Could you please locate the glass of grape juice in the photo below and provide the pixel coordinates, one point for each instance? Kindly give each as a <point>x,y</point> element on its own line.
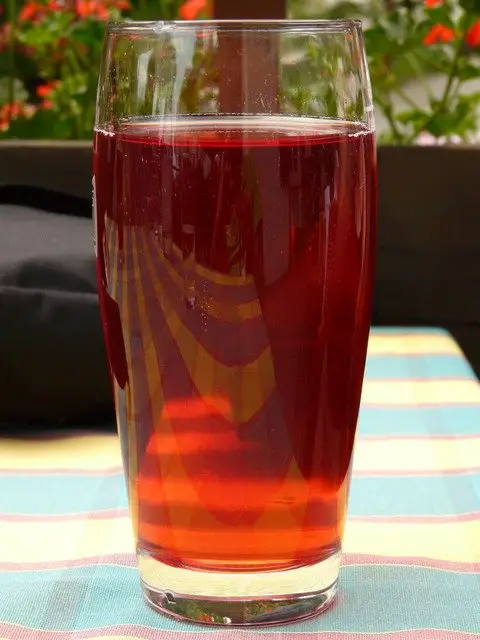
<point>235,197</point>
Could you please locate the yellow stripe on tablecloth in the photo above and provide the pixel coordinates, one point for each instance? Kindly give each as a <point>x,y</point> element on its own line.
<point>397,455</point>
<point>449,541</point>
<point>420,392</point>
<point>43,542</point>
<point>413,344</point>
<point>30,542</point>
<point>89,452</point>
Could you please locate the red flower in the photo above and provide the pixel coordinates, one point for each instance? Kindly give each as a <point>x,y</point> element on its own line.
<point>56,5</point>
<point>473,35</point>
<point>191,9</point>
<point>439,34</point>
<point>91,8</point>
<point>45,92</point>
<point>100,8</point>
<point>432,4</point>
<point>9,112</point>
<point>204,617</point>
<point>35,10</point>
<point>32,11</point>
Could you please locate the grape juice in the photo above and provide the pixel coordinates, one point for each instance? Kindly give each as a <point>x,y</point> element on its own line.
<point>235,264</point>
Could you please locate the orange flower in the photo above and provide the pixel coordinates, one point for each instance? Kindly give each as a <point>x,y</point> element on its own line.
<point>191,9</point>
<point>473,35</point>
<point>439,34</point>
<point>432,4</point>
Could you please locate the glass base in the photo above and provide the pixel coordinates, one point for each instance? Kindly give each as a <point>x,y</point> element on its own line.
<point>239,599</point>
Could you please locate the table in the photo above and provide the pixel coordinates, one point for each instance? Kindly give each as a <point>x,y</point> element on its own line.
<point>411,568</point>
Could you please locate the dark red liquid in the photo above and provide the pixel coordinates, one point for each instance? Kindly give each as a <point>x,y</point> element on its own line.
<point>235,262</point>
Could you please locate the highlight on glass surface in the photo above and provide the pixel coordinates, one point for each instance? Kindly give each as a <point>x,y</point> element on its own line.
<point>235,224</point>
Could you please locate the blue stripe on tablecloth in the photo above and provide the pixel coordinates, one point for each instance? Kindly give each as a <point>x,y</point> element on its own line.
<point>414,496</point>
<point>379,495</point>
<point>417,367</point>
<point>408,331</point>
<point>383,421</point>
<point>372,599</point>
<point>53,494</point>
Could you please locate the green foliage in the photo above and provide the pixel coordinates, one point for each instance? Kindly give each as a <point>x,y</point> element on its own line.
<point>155,9</point>
<point>411,40</point>
<point>321,81</point>
<point>18,88</point>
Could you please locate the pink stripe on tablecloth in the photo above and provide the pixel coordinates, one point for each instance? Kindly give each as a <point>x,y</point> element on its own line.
<point>119,559</point>
<point>109,471</point>
<point>357,472</point>
<point>348,560</point>
<point>107,514</point>
<point>17,632</point>
<point>356,559</point>
<point>418,405</point>
<point>470,516</point>
<point>103,514</point>
<point>393,473</point>
<point>419,436</point>
<point>464,377</point>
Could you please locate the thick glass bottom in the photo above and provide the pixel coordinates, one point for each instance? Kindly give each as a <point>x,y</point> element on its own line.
<point>242,599</point>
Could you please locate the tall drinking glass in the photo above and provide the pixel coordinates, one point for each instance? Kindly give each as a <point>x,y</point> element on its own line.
<point>235,223</point>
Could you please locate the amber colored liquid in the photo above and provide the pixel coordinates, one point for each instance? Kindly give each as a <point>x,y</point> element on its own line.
<point>235,262</point>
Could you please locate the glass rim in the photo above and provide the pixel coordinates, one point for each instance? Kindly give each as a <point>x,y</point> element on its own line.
<point>293,26</point>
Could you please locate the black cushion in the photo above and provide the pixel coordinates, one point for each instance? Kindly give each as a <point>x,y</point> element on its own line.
<point>52,357</point>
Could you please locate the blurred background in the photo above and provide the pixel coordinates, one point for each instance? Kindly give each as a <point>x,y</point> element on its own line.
<point>424,58</point>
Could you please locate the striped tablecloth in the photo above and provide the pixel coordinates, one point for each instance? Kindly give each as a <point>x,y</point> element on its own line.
<point>412,547</point>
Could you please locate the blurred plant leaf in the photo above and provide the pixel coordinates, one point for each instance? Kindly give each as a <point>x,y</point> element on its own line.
<point>43,125</point>
<point>20,92</point>
<point>470,6</point>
